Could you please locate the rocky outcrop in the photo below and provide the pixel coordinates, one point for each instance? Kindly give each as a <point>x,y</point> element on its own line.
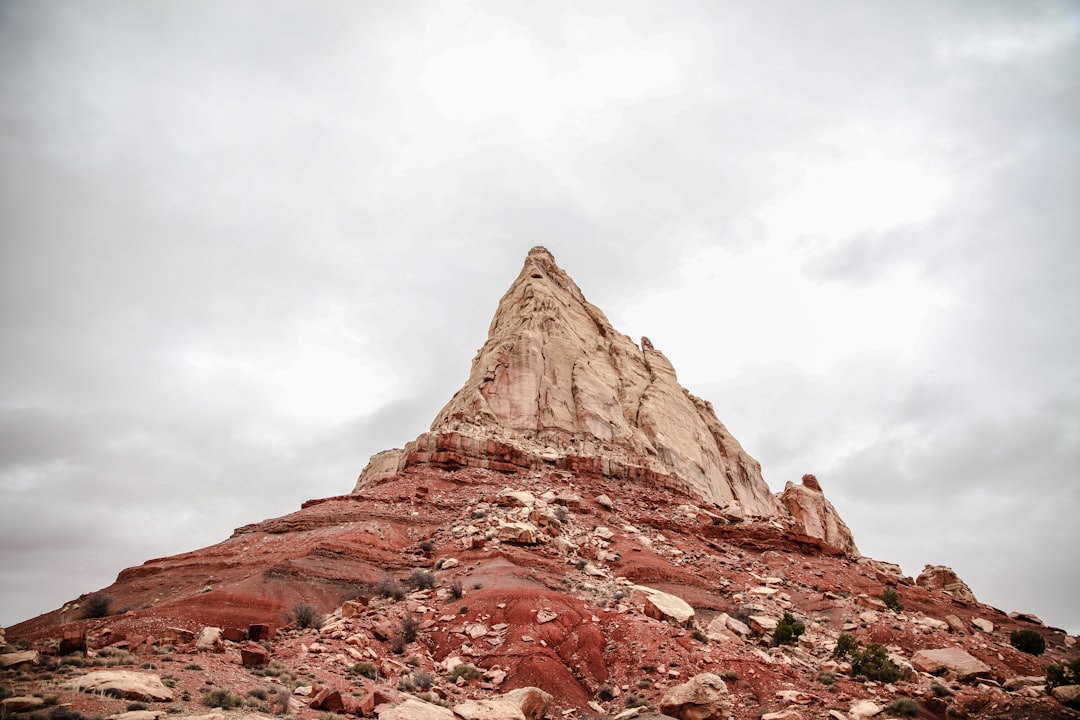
<point>703,697</point>
<point>961,664</point>
<point>556,384</point>
<point>940,577</point>
<point>124,684</point>
<point>816,516</point>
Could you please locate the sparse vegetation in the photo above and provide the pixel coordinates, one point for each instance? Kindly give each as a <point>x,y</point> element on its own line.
<point>456,590</point>
<point>221,698</point>
<point>605,692</point>
<point>844,645</point>
<point>466,670</point>
<point>940,691</point>
<point>366,669</point>
<point>423,680</point>
<point>873,663</point>
<point>826,678</point>
<point>1028,641</point>
<point>426,546</point>
<point>97,606</point>
<point>700,636</point>
<point>787,631</point>
<point>1058,675</point>
<point>633,700</point>
<point>132,707</point>
<point>410,626</point>
<point>306,616</point>
<point>905,707</point>
<point>891,598</point>
<point>193,666</point>
<point>390,588</point>
<point>420,580</point>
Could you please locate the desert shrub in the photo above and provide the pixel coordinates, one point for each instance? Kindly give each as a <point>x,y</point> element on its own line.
<point>390,588</point>
<point>698,635</point>
<point>456,590</point>
<point>397,644</point>
<point>891,598</point>
<point>97,606</point>
<point>466,670</point>
<point>306,616</point>
<point>873,663</point>
<point>280,702</point>
<point>940,691</point>
<point>580,564</point>
<point>352,592</point>
<point>1028,641</point>
<point>826,678</point>
<point>787,631</point>
<point>420,580</point>
<point>410,626</point>
<point>633,701</point>
<point>366,669</point>
<point>221,698</point>
<point>426,546</point>
<point>193,666</point>
<point>132,707</point>
<point>605,692</point>
<point>1058,675</point>
<point>423,680</point>
<point>644,684</point>
<point>258,693</point>
<point>844,645</point>
<point>905,707</point>
<point>729,676</point>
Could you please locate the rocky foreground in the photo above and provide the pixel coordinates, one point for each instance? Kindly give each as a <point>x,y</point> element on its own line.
<point>575,536</point>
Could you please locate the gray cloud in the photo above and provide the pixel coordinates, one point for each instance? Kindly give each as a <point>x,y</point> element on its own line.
<point>243,248</point>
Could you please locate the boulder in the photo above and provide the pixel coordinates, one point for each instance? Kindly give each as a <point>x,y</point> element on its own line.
<point>413,709</point>
<point>531,701</point>
<point>254,655</point>
<point>1067,695</point>
<point>21,703</point>
<point>663,606</point>
<point>786,714</point>
<point>953,660</point>
<point>940,577</point>
<point>209,638</point>
<point>15,659</point>
<point>492,709</point>
<point>703,697</point>
<point>956,624</point>
<point>74,641</point>
<point>762,624</point>
<point>327,699</point>
<point>519,532</point>
<point>985,625</point>
<point>124,684</point>
<point>863,709</point>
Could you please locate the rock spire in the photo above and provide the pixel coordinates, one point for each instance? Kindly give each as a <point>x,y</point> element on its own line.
<point>555,384</point>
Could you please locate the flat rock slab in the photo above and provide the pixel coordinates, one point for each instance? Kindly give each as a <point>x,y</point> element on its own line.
<point>413,709</point>
<point>663,606</point>
<point>124,684</point>
<point>959,662</point>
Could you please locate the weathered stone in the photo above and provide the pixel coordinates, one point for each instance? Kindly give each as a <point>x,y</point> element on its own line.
<point>232,634</point>
<point>21,703</point>
<point>1067,695</point>
<point>531,701</point>
<point>492,709</point>
<point>956,624</point>
<point>1026,617</point>
<point>15,659</point>
<point>703,697</point>
<point>985,625</point>
<point>816,516</point>
<point>178,636</point>
<point>940,577</point>
<point>605,501</point>
<point>663,606</point>
<point>327,699</point>
<point>786,714</point>
<point>519,532</point>
<point>762,624</point>
<point>74,641</point>
<point>124,684</point>
<point>254,655</point>
<point>413,709</point>
<point>954,660</point>
<point>260,631</point>
<point>863,709</point>
<point>209,638</point>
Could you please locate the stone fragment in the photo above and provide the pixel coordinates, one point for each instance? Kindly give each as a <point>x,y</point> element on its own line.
<point>491,709</point>
<point>232,634</point>
<point>982,624</point>
<point>663,606</point>
<point>954,660</point>
<point>941,577</point>
<point>145,715</point>
<point>124,684</point>
<point>327,699</point>
<point>1067,695</point>
<point>1026,617</point>
<point>785,714</point>
<point>517,498</point>
<point>519,532</point>
<point>703,697</point>
<point>762,624</point>
<point>74,641</point>
<point>254,655</point>
<point>532,701</point>
<point>956,624</point>
<point>260,631</point>
<point>863,709</point>
<point>545,616</point>
<point>605,501</point>
<point>413,709</point>
<point>795,697</point>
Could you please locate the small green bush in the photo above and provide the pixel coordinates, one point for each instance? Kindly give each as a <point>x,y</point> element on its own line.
<point>456,590</point>
<point>1028,641</point>
<point>826,678</point>
<point>420,580</point>
<point>134,706</point>
<point>787,631</point>
<point>366,669</point>
<point>97,606</point>
<point>698,635</point>
<point>1058,675</point>
<point>466,670</point>
<point>633,700</point>
<point>905,707</point>
<point>873,663</point>
<point>940,691</point>
<point>605,692</point>
<point>390,588</point>
<point>221,698</point>
<point>891,598</point>
<point>410,626</point>
<point>844,645</point>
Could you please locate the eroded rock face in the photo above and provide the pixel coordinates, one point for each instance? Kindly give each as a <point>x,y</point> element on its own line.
<point>940,577</point>
<point>555,384</point>
<point>816,516</point>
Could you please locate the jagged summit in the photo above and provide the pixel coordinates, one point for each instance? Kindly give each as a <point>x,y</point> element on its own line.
<point>556,385</point>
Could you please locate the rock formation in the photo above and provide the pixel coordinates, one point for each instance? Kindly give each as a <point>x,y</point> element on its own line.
<point>555,385</point>
<point>815,515</point>
<point>940,577</point>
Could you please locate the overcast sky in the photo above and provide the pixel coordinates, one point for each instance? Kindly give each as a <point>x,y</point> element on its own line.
<point>243,246</point>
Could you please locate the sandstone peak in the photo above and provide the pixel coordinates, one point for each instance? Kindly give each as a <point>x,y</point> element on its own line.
<point>556,385</point>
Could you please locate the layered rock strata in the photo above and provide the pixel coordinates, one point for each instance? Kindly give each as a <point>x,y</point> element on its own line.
<point>815,515</point>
